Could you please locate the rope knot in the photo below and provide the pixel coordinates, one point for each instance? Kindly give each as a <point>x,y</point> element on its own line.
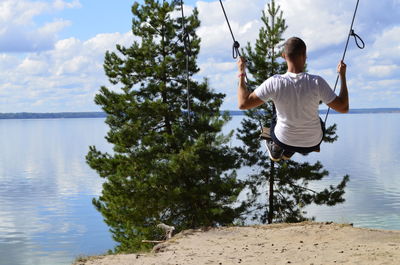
<point>235,49</point>
<point>356,39</point>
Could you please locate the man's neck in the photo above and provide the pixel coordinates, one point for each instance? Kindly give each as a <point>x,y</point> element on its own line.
<point>295,69</point>
<point>296,66</point>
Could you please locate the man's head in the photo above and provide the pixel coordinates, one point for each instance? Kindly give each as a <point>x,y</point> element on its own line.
<point>294,49</point>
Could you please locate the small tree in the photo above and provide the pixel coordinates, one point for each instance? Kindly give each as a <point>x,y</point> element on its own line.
<point>164,167</point>
<point>286,183</point>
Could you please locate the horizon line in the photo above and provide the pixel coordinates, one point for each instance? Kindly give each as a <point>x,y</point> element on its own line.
<point>74,112</point>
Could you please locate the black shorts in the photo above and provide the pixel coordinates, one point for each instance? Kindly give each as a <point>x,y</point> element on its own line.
<point>298,149</point>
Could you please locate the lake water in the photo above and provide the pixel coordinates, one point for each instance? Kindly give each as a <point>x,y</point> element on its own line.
<point>46,188</point>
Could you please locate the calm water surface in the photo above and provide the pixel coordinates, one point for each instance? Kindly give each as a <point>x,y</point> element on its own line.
<point>46,188</point>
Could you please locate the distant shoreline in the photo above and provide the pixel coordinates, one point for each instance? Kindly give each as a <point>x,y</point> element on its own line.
<point>99,114</point>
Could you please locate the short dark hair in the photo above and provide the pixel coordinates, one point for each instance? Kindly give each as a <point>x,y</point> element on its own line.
<point>294,47</point>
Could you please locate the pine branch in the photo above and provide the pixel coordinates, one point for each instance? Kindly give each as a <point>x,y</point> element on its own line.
<point>300,187</point>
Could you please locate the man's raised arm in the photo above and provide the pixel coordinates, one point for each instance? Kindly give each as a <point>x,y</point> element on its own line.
<point>341,102</point>
<point>246,99</point>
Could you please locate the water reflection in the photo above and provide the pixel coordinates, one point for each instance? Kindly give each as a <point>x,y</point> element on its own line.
<point>46,216</point>
<point>368,150</point>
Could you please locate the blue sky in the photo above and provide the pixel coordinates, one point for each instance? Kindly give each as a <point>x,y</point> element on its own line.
<point>51,51</point>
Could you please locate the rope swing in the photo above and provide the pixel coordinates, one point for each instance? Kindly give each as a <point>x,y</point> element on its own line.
<point>236,44</point>
<point>359,42</point>
<point>236,54</point>
<point>359,45</point>
<point>186,43</point>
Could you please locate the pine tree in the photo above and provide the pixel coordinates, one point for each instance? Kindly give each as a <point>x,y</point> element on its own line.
<point>164,166</point>
<point>286,183</point>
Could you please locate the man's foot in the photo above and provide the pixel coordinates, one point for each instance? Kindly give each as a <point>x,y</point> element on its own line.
<point>275,151</point>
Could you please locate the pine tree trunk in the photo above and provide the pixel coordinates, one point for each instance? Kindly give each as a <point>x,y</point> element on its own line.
<point>271,193</point>
<point>272,172</point>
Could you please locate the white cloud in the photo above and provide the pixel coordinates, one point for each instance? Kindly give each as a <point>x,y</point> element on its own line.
<point>60,4</point>
<point>187,10</point>
<point>63,79</point>
<point>318,23</point>
<point>390,85</point>
<point>20,33</point>
<point>387,44</point>
<point>75,65</point>
<point>50,29</point>
<point>67,47</point>
<point>383,70</point>
<point>378,66</point>
<point>7,62</point>
<point>31,66</point>
<point>324,26</point>
<point>315,22</point>
<point>106,40</point>
<point>244,20</point>
<point>215,59</point>
<point>211,66</point>
<point>20,12</point>
<point>67,73</point>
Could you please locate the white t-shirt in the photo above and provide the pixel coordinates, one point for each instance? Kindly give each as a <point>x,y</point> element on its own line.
<point>296,98</point>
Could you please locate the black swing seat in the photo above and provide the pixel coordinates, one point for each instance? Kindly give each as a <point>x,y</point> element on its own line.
<point>266,135</point>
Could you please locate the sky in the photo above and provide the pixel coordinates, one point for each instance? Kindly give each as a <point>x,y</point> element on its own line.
<point>52,51</point>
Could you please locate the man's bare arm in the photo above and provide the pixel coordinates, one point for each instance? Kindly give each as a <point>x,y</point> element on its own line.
<point>341,102</point>
<point>246,99</point>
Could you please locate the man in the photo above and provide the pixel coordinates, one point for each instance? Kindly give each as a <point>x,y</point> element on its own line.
<point>296,96</point>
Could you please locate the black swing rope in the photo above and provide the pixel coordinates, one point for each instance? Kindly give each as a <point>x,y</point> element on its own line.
<point>360,46</point>
<point>236,44</point>
<point>236,53</point>
<point>186,43</point>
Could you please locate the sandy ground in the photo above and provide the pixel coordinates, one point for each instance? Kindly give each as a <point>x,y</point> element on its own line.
<point>304,243</point>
